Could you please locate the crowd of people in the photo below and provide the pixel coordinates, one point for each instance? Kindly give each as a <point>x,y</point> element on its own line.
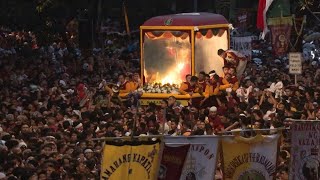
<point>55,99</point>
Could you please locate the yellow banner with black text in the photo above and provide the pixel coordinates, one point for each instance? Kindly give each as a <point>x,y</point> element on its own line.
<point>130,161</point>
<point>254,158</point>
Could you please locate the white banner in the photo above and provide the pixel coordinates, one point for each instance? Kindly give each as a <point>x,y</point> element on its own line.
<point>305,145</point>
<point>202,156</point>
<point>243,45</point>
<point>250,158</point>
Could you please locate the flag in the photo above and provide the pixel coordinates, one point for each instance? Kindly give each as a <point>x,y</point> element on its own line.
<point>173,158</point>
<point>262,16</point>
<point>305,144</point>
<point>250,158</point>
<point>202,156</point>
<point>130,161</point>
<point>280,34</point>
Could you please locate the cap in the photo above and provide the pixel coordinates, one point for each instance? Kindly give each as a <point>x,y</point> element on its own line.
<point>213,109</point>
<point>22,143</point>
<point>88,151</point>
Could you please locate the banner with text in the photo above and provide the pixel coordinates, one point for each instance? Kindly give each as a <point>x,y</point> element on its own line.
<point>305,154</point>
<point>173,158</point>
<point>201,160</point>
<point>295,63</point>
<point>242,45</point>
<point>130,160</point>
<point>250,158</point>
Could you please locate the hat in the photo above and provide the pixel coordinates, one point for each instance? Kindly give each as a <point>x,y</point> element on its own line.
<point>213,109</point>
<point>78,125</point>
<point>22,143</point>
<point>63,83</point>
<point>212,73</point>
<point>88,151</point>
<point>277,61</point>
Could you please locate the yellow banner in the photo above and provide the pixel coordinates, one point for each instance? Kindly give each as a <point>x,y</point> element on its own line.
<point>130,162</point>
<point>254,158</point>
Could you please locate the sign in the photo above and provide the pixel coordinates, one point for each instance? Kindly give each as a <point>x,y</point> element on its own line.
<point>305,154</point>
<point>202,156</point>
<point>254,158</point>
<point>130,161</point>
<point>295,65</point>
<point>242,45</point>
<point>146,102</point>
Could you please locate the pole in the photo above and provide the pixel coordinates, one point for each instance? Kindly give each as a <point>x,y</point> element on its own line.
<point>126,138</point>
<point>126,17</point>
<point>195,5</point>
<point>295,80</point>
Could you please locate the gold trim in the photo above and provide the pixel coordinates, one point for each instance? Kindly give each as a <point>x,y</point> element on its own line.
<point>141,57</point>
<point>213,26</point>
<point>228,38</point>
<point>192,51</point>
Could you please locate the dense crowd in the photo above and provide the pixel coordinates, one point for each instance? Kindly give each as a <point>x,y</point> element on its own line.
<point>55,99</point>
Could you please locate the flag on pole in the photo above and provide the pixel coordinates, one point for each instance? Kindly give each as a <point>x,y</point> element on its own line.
<point>262,16</point>
<point>130,160</point>
<point>280,34</point>
<point>202,156</point>
<point>126,17</point>
<point>173,158</point>
<point>250,158</point>
<point>305,154</point>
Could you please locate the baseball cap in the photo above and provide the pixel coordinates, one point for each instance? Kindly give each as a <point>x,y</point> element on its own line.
<point>88,151</point>
<point>213,109</point>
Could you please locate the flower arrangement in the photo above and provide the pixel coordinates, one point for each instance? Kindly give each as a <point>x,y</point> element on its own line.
<point>159,88</point>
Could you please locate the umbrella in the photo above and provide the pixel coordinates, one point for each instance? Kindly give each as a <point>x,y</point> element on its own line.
<point>312,37</point>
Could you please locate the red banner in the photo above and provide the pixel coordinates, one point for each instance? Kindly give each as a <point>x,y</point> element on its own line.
<point>280,33</point>
<point>172,162</point>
